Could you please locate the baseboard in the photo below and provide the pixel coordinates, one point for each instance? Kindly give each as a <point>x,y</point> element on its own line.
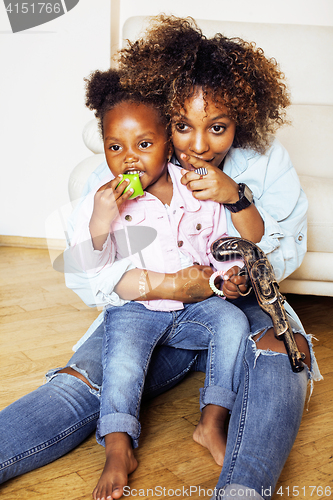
<point>27,242</point>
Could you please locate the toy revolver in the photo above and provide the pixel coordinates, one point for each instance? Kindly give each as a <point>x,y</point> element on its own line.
<point>265,287</point>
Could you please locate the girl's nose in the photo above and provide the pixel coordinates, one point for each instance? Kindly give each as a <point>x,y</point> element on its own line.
<point>131,157</point>
<point>198,144</point>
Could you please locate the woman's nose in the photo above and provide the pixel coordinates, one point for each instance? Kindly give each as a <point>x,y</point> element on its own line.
<point>198,144</point>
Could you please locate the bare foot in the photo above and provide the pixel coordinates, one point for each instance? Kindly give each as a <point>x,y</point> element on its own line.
<point>210,431</point>
<point>120,462</point>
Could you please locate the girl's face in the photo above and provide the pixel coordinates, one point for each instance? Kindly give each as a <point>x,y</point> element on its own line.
<point>135,141</point>
<point>202,130</point>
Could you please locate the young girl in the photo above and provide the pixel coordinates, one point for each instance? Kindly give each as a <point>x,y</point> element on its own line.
<point>136,140</point>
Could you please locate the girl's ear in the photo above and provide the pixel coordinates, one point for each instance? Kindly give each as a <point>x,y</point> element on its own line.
<point>170,152</point>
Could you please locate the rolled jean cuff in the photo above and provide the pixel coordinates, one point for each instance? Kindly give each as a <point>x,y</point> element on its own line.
<point>236,492</point>
<point>215,395</point>
<point>118,422</point>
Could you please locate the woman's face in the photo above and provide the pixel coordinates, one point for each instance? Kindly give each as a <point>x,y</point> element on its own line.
<point>202,130</point>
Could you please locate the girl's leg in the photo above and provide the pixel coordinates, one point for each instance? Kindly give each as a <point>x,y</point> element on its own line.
<point>131,333</point>
<point>224,328</point>
<point>55,418</point>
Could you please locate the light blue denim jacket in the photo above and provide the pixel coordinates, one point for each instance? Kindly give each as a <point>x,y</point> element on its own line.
<point>277,195</point>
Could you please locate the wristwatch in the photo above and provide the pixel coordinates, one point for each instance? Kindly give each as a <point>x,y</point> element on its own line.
<point>245,199</point>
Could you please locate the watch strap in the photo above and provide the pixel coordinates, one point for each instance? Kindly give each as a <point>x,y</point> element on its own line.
<point>245,199</point>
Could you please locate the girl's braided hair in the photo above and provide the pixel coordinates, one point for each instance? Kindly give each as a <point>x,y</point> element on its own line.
<point>173,57</point>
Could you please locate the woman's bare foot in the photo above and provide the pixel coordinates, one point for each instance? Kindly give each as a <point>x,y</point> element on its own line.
<point>210,431</point>
<point>120,462</point>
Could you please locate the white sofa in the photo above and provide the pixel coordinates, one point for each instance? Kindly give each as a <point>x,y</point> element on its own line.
<point>305,56</point>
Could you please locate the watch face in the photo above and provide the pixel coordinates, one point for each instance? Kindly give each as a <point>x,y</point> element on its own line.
<point>248,193</point>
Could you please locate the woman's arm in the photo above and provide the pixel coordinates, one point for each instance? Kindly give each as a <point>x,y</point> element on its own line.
<point>279,200</point>
<point>219,187</point>
<point>187,285</point>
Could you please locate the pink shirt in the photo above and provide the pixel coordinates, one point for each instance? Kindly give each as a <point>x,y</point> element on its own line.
<point>151,237</point>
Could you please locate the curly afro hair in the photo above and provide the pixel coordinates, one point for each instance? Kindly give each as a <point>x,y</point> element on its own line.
<point>174,57</point>
<point>104,91</point>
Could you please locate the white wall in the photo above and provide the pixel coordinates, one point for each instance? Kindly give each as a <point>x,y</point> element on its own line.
<point>42,92</point>
<point>43,112</point>
<point>309,12</point>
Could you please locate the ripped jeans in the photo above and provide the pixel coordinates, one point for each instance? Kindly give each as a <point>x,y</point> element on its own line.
<point>55,418</point>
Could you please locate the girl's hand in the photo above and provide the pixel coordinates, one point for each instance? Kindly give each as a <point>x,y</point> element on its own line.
<point>107,201</point>
<point>230,280</point>
<point>215,186</point>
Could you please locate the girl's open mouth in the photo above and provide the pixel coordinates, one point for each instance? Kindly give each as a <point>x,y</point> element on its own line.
<point>132,172</point>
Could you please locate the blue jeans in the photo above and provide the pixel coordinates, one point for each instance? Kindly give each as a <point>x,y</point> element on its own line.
<point>133,331</point>
<point>55,418</point>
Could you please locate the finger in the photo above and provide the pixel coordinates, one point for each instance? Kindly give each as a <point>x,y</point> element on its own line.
<point>119,184</point>
<point>193,162</point>
<point>233,271</point>
<point>238,280</point>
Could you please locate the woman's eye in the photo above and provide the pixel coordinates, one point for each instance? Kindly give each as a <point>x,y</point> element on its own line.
<point>115,147</point>
<point>181,127</point>
<point>218,128</point>
<point>145,144</point>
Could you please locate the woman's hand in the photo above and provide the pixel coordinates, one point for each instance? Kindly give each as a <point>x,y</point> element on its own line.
<point>215,186</point>
<point>107,201</point>
<point>231,282</point>
<point>218,186</point>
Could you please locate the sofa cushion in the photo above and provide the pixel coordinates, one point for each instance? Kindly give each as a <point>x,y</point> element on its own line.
<point>319,191</point>
<point>92,137</point>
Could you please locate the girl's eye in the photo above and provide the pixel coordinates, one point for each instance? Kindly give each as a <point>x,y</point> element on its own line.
<point>217,129</point>
<point>115,147</point>
<point>145,144</point>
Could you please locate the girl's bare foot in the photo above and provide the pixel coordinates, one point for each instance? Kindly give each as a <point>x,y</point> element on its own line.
<point>120,462</point>
<point>210,431</point>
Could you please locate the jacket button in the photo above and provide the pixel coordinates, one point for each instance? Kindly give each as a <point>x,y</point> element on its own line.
<point>180,243</point>
<point>198,227</point>
<point>128,217</point>
<point>300,237</point>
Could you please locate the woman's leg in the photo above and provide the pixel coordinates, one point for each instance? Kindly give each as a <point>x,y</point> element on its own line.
<point>264,423</point>
<point>55,418</point>
<point>266,415</point>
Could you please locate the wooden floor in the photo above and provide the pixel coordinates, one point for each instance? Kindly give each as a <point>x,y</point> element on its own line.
<point>41,320</point>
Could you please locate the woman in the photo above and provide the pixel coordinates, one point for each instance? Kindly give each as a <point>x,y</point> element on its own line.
<point>199,78</point>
